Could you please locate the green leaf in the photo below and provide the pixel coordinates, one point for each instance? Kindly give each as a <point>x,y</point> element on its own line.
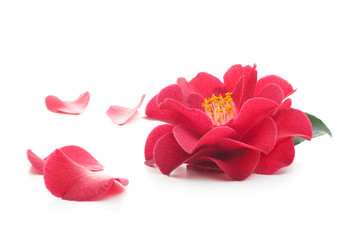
<point>319,128</point>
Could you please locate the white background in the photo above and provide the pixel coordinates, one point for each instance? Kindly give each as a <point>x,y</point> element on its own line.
<point>119,50</point>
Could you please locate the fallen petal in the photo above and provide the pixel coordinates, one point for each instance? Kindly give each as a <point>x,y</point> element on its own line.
<point>54,104</point>
<point>75,153</point>
<point>66,179</point>
<point>120,115</point>
<point>35,161</point>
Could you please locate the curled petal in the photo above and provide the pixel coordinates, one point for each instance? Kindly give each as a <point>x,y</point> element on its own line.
<point>75,153</point>
<point>120,115</point>
<point>249,85</point>
<point>285,85</point>
<point>172,91</point>
<point>273,92</point>
<point>205,83</point>
<point>238,164</point>
<point>281,156</point>
<point>66,179</point>
<point>232,76</point>
<point>262,136</point>
<point>252,112</point>
<point>35,161</point>
<point>153,137</point>
<point>168,155</point>
<point>292,122</point>
<point>54,104</point>
<point>190,141</point>
<point>286,104</point>
<point>193,118</point>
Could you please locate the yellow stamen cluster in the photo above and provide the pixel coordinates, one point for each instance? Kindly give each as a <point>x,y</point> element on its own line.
<point>220,109</point>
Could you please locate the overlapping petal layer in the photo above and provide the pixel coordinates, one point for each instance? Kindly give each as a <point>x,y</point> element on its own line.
<point>251,129</point>
<point>75,153</point>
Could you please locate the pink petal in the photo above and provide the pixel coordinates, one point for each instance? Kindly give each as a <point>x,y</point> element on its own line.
<point>195,119</point>
<point>76,107</point>
<point>120,115</point>
<point>35,161</point>
<point>153,137</point>
<point>205,83</point>
<point>168,154</point>
<point>252,112</point>
<point>273,92</point>
<point>191,141</point>
<point>282,156</point>
<point>75,153</point>
<point>292,122</point>
<point>68,180</point>
<point>82,157</point>
<point>238,164</point>
<point>285,85</point>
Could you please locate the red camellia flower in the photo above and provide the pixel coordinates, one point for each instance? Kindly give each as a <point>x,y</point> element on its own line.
<point>239,126</point>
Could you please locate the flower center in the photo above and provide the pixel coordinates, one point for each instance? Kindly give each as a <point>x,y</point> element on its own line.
<point>220,109</point>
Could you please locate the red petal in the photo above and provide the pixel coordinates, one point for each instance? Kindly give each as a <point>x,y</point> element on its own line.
<point>286,104</point>
<point>262,136</point>
<point>68,180</point>
<point>285,85</point>
<point>282,156</point>
<point>191,141</point>
<point>172,91</point>
<point>195,119</point>
<point>252,112</point>
<point>168,154</point>
<point>249,85</point>
<point>78,106</point>
<point>75,153</point>
<point>293,122</point>
<point>232,76</point>
<point>120,115</point>
<point>153,137</point>
<point>35,161</point>
<point>273,92</point>
<point>238,164</point>
<point>205,83</point>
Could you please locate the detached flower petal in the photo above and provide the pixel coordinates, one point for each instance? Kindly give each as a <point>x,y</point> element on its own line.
<point>120,115</point>
<point>75,153</point>
<point>54,104</point>
<point>66,179</point>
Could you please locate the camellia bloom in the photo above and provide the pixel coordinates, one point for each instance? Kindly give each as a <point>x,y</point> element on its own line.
<point>69,174</point>
<point>54,104</point>
<point>239,126</point>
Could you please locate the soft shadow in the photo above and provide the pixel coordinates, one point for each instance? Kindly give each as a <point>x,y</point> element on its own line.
<point>115,190</point>
<point>34,171</point>
<point>282,171</point>
<point>189,173</point>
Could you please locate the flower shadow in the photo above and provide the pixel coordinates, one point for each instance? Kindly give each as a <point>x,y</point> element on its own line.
<point>189,173</point>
